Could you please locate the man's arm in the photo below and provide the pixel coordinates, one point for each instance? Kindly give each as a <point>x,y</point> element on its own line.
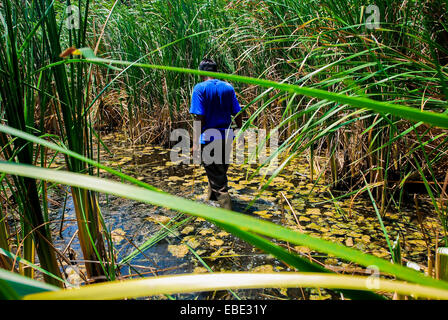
<point>197,110</point>
<point>239,120</point>
<point>236,110</point>
<point>197,132</point>
<point>199,118</point>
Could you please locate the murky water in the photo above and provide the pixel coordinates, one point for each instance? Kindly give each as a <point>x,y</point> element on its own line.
<point>291,200</point>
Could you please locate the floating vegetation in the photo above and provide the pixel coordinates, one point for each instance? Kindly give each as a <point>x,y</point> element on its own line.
<point>224,252</point>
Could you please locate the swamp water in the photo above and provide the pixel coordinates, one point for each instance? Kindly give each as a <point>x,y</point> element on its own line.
<point>180,244</point>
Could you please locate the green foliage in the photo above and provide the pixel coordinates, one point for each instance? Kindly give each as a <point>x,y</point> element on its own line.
<point>332,87</point>
<point>14,286</point>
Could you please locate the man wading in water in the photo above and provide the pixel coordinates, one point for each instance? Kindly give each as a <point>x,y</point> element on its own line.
<point>213,104</point>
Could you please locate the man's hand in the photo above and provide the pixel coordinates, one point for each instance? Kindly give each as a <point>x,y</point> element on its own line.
<point>197,153</point>
<point>196,148</point>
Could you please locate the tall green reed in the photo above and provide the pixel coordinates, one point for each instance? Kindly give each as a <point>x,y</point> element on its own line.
<point>18,105</point>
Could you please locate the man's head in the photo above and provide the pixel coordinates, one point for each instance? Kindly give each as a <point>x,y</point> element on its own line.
<point>208,65</point>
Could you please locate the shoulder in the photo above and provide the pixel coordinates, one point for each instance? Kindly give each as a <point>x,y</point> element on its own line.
<point>203,85</point>
<point>199,87</point>
<point>225,85</point>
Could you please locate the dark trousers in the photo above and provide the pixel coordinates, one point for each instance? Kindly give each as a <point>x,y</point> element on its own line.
<point>217,172</point>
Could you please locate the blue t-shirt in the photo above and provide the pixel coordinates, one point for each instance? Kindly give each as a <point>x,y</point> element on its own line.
<point>216,101</point>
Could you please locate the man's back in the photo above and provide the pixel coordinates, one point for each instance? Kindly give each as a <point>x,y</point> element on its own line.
<point>216,101</point>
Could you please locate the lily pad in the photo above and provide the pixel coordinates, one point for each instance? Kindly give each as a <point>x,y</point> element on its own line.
<point>178,251</point>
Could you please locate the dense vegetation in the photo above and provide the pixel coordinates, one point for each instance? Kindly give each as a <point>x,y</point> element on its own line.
<point>367,106</point>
